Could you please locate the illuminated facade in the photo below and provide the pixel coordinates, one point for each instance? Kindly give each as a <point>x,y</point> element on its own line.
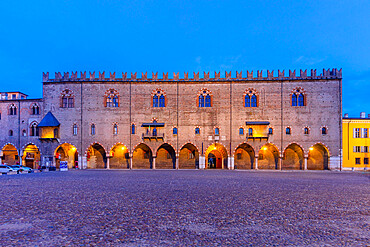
<point>252,122</point>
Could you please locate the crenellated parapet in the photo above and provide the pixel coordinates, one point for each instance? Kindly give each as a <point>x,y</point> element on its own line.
<point>101,76</point>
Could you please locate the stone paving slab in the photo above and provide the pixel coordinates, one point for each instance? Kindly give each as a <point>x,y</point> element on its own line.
<point>185,208</point>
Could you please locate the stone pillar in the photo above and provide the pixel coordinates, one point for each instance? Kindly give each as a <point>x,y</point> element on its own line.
<point>202,162</point>
<point>177,162</point>
<point>222,163</point>
<point>80,162</point>
<point>230,163</point>
<point>84,162</point>
<point>256,162</point>
<point>280,163</point>
<point>305,162</point>
<point>130,162</point>
<point>108,162</point>
<point>153,162</point>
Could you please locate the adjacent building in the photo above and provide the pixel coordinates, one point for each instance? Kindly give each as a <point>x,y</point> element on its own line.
<point>356,142</point>
<point>255,121</point>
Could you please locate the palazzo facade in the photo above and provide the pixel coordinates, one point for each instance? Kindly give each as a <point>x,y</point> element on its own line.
<point>261,121</point>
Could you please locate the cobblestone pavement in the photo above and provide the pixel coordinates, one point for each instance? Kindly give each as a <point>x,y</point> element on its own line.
<point>196,208</point>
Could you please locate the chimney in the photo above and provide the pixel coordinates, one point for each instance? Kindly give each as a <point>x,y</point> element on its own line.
<point>346,115</point>
<point>362,115</point>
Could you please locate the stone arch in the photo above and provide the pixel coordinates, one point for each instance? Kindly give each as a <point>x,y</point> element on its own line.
<point>119,157</point>
<point>189,156</point>
<point>142,157</point>
<point>216,156</point>
<point>31,156</point>
<point>66,152</point>
<point>268,157</point>
<point>10,155</point>
<point>244,156</point>
<point>96,157</point>
<point>165,157</point>
<point>318,157</point>
<point>293,158</point>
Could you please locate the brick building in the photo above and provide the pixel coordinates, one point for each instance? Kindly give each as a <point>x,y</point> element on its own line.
<point>243,122</point>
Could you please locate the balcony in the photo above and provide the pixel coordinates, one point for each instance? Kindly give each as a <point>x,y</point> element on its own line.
<point>153,136</point>
<point>258,137</point>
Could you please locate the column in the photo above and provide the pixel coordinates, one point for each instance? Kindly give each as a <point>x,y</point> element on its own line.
<point>305,163</point>
<point>84,162</point>
<point>230,163</point>
<point>153,162</point>
<point>108,162</point>
<point>222,163</point>
<point>202,162</point>
<point>177,162</point>
<point>280,163</point>
<point>256,162</point>
<point>130,162</point>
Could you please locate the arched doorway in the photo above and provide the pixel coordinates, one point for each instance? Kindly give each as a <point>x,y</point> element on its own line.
<point>244,157</point>
<point>31,156</point>
<point>318,157</point>
<point>293,157</point>
<point>216,157</point>
<point>142,157</point>
<point>10,155</point>
<point>189,157</point>
<point>66,152</point>
<point>268,157</point>
<point>119,157</point>
<point>166,157</point>
<point>96,157</point>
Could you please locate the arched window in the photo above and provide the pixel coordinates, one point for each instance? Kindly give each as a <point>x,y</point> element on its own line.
<point>247,101</point>
<point>75,129</point>
<point>254,101</point>
<point>111,98</point>
<point>161,101</point>
<point>298,97</point>
<point>24,133</point>
<point>155,101</point>
<point>159,98</point>
<point>250,98</point>
<point>35,109</point>
<point>306,131</point>
<point>34,130</point>
<point>323,130</point>
<point>67,99</point>
<point>288,131</point>
<point>250,132</point>
<point>133,131</point>
<point>205,98</point>
<point>217,131</point>
<point>208,101</point>
<point>301,100</point>
<point>241,131</point>
<point>10,132</point>
<point>294,99</point>
<point>201,100</point>
<point>197,131</point>
<point>12,110</point>
<point>174,131</point>
<point>115,129</point>
<point>271,131</point>
<point>92,129</point>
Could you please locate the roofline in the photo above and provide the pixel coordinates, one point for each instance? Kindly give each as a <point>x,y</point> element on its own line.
<point>15,92</point>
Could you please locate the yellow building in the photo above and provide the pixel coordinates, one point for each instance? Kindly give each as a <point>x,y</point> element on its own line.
<point>356,142</point>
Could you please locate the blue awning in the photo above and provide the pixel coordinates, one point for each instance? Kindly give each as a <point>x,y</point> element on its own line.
<point>49,121</point>
<point>257,123</point>
<point>152,125</point>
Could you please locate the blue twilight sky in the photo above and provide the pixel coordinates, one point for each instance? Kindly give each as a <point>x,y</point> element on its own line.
<point>178,36</point>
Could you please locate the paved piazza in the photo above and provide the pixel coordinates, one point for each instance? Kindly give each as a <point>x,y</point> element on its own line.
<point>196,208</point>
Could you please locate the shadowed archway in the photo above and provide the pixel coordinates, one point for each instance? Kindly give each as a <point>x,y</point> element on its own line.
<point>166,157</point>
<point>66,152</point>
<point>142,157</point>
<point>244,157</point>
<point>318,157</point>
<point>119,157</point>
<point>189,157</point>
<point>216,157</point>
<point>96,157</point>
<point>268,157</point>
<point>293,158</point>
